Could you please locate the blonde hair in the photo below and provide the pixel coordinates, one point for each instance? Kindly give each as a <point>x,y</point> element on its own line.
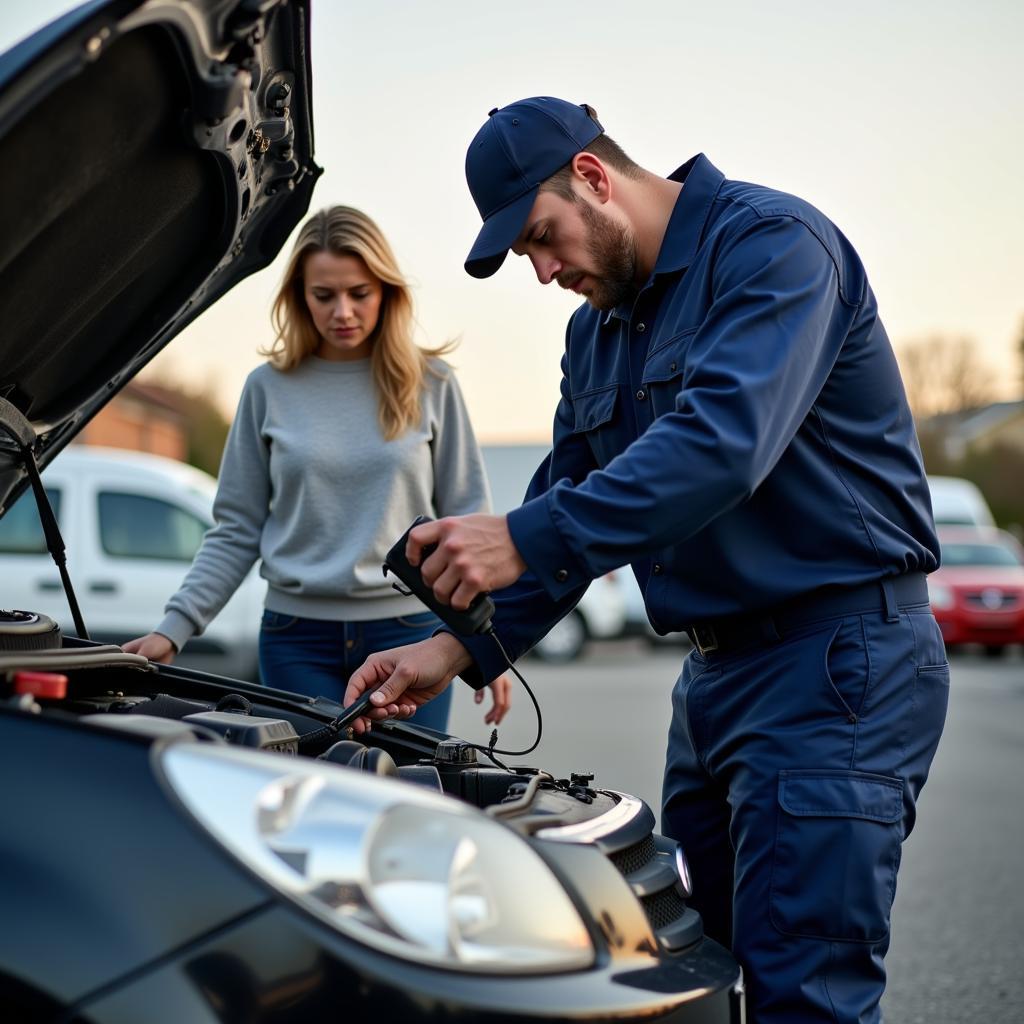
<point>397,364</point>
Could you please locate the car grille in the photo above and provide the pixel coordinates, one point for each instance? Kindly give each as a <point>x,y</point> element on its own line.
<point>664,909</point>
<point>636,856</point>
<point>993,601</point>
<point>649,863</point>
<point>649,866</point>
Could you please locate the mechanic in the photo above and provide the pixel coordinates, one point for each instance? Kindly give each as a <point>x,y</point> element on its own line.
<point>733,424</point>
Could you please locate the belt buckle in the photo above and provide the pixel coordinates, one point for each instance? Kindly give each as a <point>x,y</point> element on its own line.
<point>704,638</point>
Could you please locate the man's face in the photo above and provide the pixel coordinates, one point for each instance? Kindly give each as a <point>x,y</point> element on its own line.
<point>583,248</point>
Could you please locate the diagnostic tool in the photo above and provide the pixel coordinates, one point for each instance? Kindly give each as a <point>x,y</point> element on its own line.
<point>475,619</point>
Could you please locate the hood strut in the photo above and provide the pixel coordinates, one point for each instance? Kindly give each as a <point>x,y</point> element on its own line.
<point>18,428</point>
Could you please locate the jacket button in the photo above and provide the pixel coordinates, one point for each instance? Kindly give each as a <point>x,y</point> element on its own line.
<point>657,569</point>
<point>641,395</point>
<point>672,367</point>
<point>641,327</point>
<point>562,575</point>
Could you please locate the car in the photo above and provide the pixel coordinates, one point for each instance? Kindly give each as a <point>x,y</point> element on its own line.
<point>133,522</point>
<point>602,610</point>
<point>956,501</point>
<point>600,615</point>
<point>181,846</point>
<point>977,594</point>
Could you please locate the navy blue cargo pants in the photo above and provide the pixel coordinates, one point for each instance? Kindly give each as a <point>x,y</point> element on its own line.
<point>792,774</point>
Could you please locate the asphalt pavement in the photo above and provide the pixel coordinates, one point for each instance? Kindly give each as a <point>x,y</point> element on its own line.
<point>958,922</point>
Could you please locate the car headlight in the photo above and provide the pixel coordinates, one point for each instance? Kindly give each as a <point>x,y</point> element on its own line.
<point>940,595</point>
<point>411,872</point>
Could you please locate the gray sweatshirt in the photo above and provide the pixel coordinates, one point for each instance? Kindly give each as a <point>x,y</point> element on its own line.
<point>309,486</point>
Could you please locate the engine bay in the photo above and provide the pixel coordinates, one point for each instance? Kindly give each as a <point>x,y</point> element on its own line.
<point>46,676</point>
<point>103,687</point>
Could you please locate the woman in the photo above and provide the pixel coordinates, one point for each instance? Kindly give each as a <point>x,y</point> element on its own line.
<point>346,435</point>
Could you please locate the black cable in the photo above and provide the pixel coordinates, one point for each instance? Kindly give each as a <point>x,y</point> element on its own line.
<point>234,702</point>
<point>491,749</point>
<point>355,709</point>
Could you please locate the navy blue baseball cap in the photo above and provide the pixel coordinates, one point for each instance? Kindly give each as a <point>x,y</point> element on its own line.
<point>519,147</point>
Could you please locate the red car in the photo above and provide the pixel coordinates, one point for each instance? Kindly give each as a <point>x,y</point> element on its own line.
<point>978,593</point>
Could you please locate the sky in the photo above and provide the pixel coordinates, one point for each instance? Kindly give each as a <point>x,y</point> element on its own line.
<point>902,120</point>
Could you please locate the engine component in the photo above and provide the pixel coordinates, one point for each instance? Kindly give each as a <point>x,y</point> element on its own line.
<point>362,758</point>
<point>249,731</point>
<point>27,631</point>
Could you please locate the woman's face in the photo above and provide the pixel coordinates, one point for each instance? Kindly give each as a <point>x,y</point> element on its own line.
<point>344,300</point>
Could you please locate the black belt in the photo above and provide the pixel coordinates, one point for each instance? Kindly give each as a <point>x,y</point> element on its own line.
<point>721,636</point>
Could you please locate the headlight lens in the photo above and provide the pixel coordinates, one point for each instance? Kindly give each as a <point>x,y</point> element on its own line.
<point>408,871</point>
<point>940,595</point>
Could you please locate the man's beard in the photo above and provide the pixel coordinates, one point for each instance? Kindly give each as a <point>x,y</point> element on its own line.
<point>612,248</point>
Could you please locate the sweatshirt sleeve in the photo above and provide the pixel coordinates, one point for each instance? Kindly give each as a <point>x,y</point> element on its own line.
<point>460,480</point>
<point>232,546</point>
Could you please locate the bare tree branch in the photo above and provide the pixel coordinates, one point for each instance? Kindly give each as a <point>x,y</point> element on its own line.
<point>944,374</point>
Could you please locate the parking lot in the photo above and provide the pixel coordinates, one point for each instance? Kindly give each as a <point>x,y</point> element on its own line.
<point>957,922</point>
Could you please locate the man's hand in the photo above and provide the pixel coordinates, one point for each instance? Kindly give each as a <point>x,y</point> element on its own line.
<point>474,555</point>
<point>406,677</point>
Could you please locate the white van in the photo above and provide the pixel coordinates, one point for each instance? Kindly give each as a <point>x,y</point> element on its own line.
<point>131,525</point>
<point>958,502</point>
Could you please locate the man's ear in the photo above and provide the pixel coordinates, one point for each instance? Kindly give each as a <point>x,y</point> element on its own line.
<point>592,176</point>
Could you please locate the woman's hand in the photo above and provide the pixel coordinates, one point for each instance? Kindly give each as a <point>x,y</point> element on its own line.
<point>154,646</point>
<point>501,699</point>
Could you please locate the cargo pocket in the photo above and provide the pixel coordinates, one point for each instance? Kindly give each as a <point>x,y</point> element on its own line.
<point>837,848</point>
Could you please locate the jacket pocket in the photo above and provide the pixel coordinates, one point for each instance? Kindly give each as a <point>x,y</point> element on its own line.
<point>594,415</point>
<point>837,849</point>
<point>663,372</point>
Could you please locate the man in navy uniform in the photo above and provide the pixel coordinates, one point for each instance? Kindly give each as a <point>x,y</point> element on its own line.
<point>732,424</point>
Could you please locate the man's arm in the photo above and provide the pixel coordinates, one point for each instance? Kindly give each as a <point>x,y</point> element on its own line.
<point>755,368</point>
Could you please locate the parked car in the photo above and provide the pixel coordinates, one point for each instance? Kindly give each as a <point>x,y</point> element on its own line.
<point>600,615</point>
<point>601,612</point>
<point>181,847</point>
<point>977,595</point>
<point>958,502</point>
<point>133,522</point>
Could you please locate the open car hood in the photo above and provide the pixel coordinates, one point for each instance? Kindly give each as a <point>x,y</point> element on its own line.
<point>154,154</point>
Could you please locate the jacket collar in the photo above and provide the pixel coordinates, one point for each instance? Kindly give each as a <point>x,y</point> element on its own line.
<point>701,181</point>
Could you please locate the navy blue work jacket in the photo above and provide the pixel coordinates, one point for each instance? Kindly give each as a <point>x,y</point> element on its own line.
<point>740,435</point>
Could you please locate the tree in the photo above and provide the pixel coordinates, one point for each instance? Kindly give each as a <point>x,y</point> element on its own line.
<point>998,471</point>
<point>1020,353</point>
<point>206,430</point>
<point>944,374</point>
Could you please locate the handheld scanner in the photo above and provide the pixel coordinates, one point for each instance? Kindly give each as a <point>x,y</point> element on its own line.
<point>475,619</point>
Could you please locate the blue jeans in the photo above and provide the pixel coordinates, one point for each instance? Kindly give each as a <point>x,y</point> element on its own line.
<point>791,780</point>
<point>316,656</point>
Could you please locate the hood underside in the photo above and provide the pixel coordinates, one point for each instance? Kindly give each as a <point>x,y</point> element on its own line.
<point>154,154</point>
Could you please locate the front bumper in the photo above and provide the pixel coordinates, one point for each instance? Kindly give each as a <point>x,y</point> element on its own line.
<point>988,628</point>
<point>277,967</point>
